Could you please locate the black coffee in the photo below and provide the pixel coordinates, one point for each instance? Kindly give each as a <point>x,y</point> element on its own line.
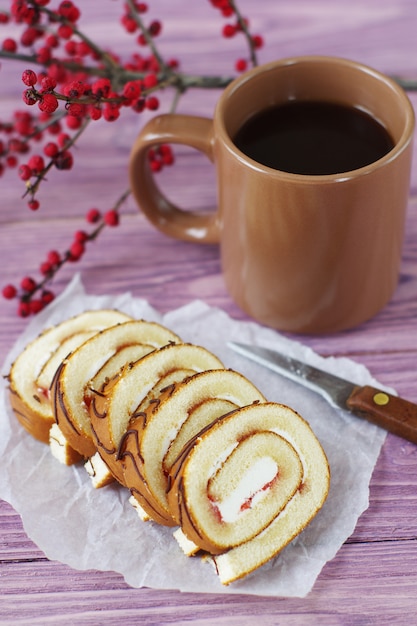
<point>313,138</point>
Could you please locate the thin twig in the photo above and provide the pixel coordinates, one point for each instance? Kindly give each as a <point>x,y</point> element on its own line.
<point>149,39</point>
<point>244,27</point>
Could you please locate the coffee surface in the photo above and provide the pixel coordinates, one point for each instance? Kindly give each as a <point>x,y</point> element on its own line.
<point>313,138</point>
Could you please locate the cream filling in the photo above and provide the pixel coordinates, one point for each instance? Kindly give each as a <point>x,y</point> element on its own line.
<point>249,491</point>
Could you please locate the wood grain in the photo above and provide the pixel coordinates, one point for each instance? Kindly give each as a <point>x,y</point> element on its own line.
<point>373,578</point>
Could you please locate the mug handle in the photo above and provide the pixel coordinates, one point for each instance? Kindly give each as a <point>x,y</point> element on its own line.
<point>193,131</point>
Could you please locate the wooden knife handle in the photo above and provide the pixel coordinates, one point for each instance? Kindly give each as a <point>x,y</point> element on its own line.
<point>395,414</point>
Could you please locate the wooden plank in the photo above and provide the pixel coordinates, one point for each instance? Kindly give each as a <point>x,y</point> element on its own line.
<point>386,570</point>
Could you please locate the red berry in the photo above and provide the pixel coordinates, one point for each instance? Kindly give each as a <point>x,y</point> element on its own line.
<point>111,218</point>
<point>227,11</point>
<point>152,103</point>
<point>9,45</point>
<point>50,149</point>
<point>43,56</point>
<point>29,97</point>
<point>83,49</point>
<point>129,24</point>
<point>150,81</point>
<point>257,41</point>
<point>29,36</point>
<point>25,172</point>
<point>52,40</point>
<point>69,11</point>
<point>93,216</point>
<point>139,105</point>
<point>33,205</point>
<point>110,113</point>
<point>94,112</point>
<point>64,160</point>
<point>57,72</point>
<point>36,164</point>
<point>101,87</point>
<point>168,158</point>
<point>63,140</point>
<point>75,109</point>
<point>241,65</point>
<point>76,251</point>
<point>156,165</point>
<point>132,89</point>
<point>71,47</point>
<point>9,292</point>
<point>35,306</point>
<point>11,161</point>
<point>73,122</point>
<point>165,150</point>
<point>47,297</point>
<point>15,145</point>
<point>229,30</point>
<point>24,309</point>
<point>155,28</point>
<point>48,83</point>
<point>74,89</point>
<point>28,284</point>
<point>81,236</point>
<point>23,123</point>
<point>48,103</point>
<point>45,268</point>
<point>65,31</point>
<point>29,78</point>
<point>54,257</point>
<point>54,128</point>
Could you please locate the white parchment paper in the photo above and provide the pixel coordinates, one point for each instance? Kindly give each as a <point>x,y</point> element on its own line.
<point>89,528</point>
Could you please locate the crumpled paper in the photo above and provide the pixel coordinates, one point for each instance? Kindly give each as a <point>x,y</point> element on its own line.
<point>89,528</point>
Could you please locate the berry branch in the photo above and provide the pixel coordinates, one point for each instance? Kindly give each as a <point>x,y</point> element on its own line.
<point>71,82</point>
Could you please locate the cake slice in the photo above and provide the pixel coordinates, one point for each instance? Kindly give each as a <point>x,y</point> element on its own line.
<point>134,388</point>
<point>32,372</point>
<point>247,485</point>
<point>88,367</point>
<point>154,439</point>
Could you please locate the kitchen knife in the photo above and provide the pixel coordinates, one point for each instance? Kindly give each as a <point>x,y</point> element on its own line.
<point>395,414</point>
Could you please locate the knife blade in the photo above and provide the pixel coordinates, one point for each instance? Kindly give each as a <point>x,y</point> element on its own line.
<point>392,413</point>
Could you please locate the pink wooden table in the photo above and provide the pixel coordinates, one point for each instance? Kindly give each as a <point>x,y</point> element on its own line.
<point>373,578</point>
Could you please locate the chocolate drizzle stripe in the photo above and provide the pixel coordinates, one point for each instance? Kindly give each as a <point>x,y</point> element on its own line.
<point>136,416</point>
<point>57,374</point>
<point>100,444</point>
<point>97,392</point>
<point>97,413</point>
<point>59,398</point>
<point>23,416</point>
<point>180,501</point>
<point>131,456</point>
<point>141,498</point>
<point>122,453</point>
<point>169,389</point>
<point>156,402</point>
<point>144,494</point>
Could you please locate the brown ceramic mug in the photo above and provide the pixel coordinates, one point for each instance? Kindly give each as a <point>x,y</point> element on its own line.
<point>304,253</point>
